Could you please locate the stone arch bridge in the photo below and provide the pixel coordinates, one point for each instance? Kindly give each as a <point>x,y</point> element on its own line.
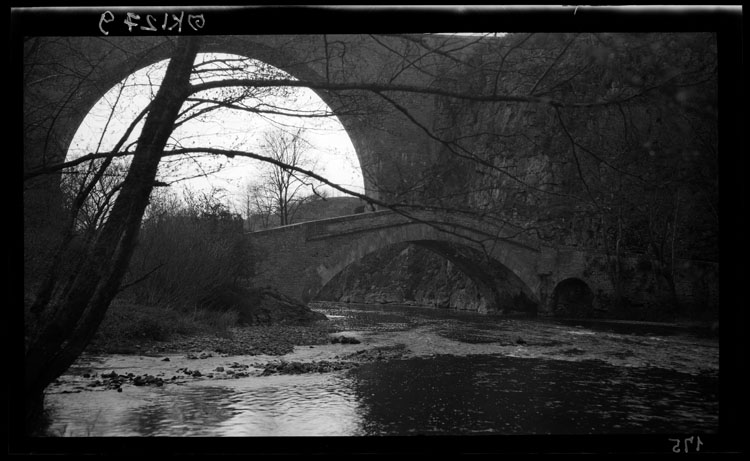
<point>511,271</point>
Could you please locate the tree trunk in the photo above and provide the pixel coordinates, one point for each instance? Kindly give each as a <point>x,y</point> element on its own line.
<point>613,263</point>
<point>76,308</point>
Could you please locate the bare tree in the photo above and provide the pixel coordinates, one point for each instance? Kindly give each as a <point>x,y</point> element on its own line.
<point>89,214</point>
<point>68,312</point>
<point>259,206</point>
<point>278,185</point>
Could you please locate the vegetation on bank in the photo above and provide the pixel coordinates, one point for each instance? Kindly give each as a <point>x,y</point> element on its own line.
<point>127,326</point>
<point>183,289</point>
<point>130,328</point>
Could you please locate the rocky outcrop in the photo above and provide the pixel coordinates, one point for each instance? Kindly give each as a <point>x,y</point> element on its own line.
<point>405,274</point>
<point>259,306</point>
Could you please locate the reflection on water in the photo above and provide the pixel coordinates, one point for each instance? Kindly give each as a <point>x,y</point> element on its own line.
<point>293,406</point>
<point>271,406</point>
<point>183,411</point>
<point>466,374</point>
<point>505,395</point>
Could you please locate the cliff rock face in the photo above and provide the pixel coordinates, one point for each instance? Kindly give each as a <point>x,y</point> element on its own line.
<point>405,274</point>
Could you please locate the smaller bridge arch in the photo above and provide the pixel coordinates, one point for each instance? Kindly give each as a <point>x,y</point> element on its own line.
<point>301,259</point>
<point>572,297</point>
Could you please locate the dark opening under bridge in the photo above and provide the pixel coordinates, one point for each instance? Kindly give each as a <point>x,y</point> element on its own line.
<point>510,270</point>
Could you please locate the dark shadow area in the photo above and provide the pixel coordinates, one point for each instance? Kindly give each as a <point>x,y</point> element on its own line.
<point>573,298</point>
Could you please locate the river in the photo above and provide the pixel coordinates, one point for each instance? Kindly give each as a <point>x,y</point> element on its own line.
<point>457,373</point>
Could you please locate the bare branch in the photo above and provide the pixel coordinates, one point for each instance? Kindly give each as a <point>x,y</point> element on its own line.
<point>380,88</point>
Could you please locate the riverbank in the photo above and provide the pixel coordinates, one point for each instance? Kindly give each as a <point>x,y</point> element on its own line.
<point>235,340</point>
<point>131,329</point>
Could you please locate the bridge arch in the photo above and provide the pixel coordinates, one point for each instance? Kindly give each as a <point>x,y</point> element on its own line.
<point>572,297</point>
<point>502,275</point>
<point>102,63</point>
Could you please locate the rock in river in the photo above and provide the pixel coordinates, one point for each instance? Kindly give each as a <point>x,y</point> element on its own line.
<point>344,340</point>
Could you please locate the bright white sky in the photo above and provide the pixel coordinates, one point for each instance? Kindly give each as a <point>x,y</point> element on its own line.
<point>331,148</point>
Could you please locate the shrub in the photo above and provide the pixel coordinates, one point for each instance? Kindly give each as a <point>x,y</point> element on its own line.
<point>184,252</point>
<point>127,324</point>
<point>127,321</point>
<point>216,322</point>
